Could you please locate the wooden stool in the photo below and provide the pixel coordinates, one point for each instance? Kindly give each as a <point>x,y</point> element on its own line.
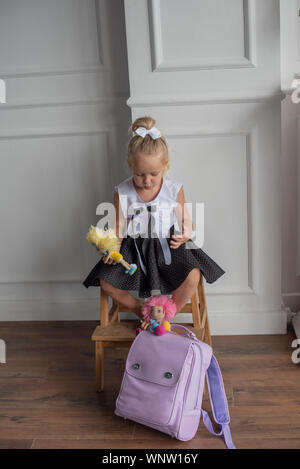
<point>115,333</point>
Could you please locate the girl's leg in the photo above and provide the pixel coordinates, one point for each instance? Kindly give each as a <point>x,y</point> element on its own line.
<point>122,296</point>
<point>186,290</point>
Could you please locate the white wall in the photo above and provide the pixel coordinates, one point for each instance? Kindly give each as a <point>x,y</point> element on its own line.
<point>209,72</point>
<point>215,92</point>
<point>290,65</point>
<point>62,139</point>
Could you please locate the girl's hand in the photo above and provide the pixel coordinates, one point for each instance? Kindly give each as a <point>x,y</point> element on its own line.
<point>177,241</point>
<point>108,260</point>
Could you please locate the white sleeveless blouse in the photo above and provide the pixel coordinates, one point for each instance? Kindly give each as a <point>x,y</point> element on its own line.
<point>137,213</point>
<point>162,207</point>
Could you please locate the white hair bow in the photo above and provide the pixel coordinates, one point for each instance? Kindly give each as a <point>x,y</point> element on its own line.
<point>142,132</point>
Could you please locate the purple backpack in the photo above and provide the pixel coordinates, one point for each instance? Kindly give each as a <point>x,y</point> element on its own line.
<point>163,385</point>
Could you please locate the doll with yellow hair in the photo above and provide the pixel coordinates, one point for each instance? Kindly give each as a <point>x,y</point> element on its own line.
<point>108,243</point>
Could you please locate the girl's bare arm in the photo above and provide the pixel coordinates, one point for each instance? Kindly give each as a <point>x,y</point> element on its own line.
<point>183,215</point>
<point>119,220</point>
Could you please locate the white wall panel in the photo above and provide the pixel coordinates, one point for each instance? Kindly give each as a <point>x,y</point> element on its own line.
<point>60,34</point>
<point>222,40</point>
<point>45,215</point>
<point>222,163</point>
<point>261,21</point>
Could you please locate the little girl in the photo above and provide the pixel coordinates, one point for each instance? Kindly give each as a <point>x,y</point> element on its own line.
<point>146,206</point>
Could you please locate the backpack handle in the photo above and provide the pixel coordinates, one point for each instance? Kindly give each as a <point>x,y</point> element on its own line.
<point>187,333</point>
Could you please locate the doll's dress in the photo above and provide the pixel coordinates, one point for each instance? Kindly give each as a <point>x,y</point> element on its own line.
<point>154,325</point>
<point>147,244</point>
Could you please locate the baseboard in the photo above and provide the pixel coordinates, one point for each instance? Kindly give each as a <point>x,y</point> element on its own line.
<point>49,310</point>
<point>221,322</point>
<point>236,323</point>
<point>249,323</point>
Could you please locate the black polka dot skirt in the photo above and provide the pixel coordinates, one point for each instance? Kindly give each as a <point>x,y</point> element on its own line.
<point>159,276</point>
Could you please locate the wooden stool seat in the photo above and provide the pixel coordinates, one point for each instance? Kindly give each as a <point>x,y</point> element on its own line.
<point>115,333</point>
<point>125,332</point>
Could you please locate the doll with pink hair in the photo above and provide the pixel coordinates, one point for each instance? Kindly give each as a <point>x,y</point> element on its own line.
<point>157,311</point>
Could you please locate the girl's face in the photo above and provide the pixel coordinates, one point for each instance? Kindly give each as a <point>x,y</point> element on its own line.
<point>148,171</point>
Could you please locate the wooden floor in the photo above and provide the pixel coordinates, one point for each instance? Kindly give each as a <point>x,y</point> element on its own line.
<point>48,398</point>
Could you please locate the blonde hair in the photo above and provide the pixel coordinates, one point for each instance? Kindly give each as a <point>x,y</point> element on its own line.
<point>147,145</point>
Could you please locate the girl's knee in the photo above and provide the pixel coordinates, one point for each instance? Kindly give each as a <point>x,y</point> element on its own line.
<point>104,285</point>
<point>108,287</point>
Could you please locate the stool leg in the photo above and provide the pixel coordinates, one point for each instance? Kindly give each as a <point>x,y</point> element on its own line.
<point>204,315</point>
<point>103,308</point>
<point>196,310</point>
<point>207,336</point>
<point>99,364</point>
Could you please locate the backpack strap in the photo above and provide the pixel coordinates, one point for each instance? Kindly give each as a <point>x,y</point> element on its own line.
<point>217,394</point>
<point>218,402</point>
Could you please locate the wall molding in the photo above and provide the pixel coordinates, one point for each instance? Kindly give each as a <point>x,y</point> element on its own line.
<point>251,157</point>
<point>55,133</point>
<point>98,66</point>
<point>203,99</point>
<point>161,64</point>
<point>52,71</point>
<point>65,103</point>
<point>221,322</point>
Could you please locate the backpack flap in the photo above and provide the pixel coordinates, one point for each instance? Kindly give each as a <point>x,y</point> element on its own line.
<point>151,357</point>
<point>153,368</point>
<point>218,403</point>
